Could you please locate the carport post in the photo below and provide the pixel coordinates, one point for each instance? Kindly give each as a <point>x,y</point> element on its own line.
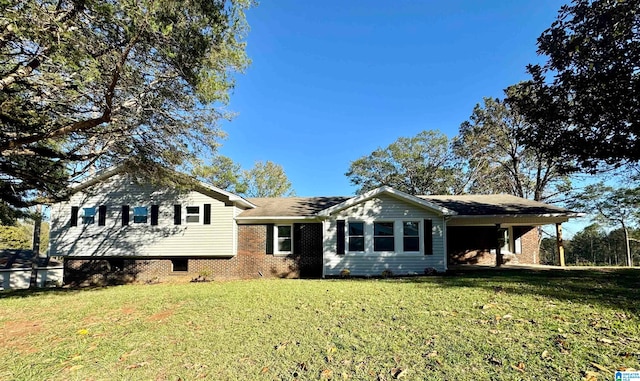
<point>499,243</point>
<point>560,243</point>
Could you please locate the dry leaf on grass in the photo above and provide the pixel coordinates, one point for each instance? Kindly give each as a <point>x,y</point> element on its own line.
<point>545,355</point>
<point>326,374</point>
<point>604,340</point>
<point>396,373</point>
<point>520,367</point>
<point>589,376</point>
<point>600,367</point>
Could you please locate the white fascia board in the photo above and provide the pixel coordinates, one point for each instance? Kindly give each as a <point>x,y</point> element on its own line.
<point>232,196</point>
<point>518,215</point>
<point>386,190</point>
<point>275,220</point>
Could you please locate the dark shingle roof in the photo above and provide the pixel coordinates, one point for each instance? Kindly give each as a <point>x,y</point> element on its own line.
<point>466,205</point>
<point>495,204</point>
<point>290,206</point>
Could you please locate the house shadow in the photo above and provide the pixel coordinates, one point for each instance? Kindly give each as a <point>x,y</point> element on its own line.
<point>608,287</point>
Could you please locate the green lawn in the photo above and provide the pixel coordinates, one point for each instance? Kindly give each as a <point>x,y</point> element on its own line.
<point>508,325</point>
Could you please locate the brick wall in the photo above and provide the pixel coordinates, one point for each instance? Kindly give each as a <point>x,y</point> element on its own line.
<point>473,245</point>
<point>251,261</point>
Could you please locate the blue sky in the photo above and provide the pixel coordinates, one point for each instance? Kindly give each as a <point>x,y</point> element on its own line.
<point>333,80</point>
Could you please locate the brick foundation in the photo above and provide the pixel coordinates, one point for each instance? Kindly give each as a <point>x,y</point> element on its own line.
<point>473,245</point>
<point>251,261</point>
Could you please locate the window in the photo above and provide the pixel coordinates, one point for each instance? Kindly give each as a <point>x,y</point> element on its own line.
<point>411,236</point>
<point>140,214</point>
<point>193,214</point>
<point>356,236</point>
<point>180,265</point>
<point>383,239</point>
<point>284,239</point>
<point>88,216</point>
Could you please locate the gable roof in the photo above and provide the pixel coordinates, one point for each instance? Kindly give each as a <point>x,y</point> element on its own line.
<point>107,173</point>
<point>497,204</point>
<point>389,191</point>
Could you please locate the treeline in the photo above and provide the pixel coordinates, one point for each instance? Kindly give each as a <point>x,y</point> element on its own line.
<point>593,246</point>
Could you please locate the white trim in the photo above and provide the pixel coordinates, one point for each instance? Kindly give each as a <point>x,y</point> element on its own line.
<point>385,190</point>
<point>347,236</point>
<point>276,237</point>
<point>279,219</point>
<point>187,214</point>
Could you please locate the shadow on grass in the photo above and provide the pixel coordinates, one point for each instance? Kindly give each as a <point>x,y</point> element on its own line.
<point>618,288</point>
<point>28,293</point>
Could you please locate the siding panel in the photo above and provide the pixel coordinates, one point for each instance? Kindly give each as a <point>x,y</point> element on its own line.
<point>164,239</point>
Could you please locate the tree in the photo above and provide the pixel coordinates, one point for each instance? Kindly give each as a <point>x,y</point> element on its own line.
<point>267,179</point>
<point>614,206</point>
<point>20,236</point>
<point>90,83</point>
<point>423,164</point>
<point>584,102</point>
<point>223,173</point>
<point>497,160</point>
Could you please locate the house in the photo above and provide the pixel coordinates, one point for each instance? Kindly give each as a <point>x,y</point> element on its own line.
<point>119,228</point>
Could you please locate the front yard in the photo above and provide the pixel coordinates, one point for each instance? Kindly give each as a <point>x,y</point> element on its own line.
<point>509,325</point>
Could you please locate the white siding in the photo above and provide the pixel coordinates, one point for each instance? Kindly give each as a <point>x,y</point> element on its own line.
<point>384,208</point>
<point>139,239</point>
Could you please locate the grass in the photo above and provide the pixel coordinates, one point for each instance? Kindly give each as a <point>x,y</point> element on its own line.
<point>509,325</point>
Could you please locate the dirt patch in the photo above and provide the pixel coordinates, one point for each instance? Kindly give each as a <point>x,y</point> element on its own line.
<point>161,315</point>
<point>17,335</point>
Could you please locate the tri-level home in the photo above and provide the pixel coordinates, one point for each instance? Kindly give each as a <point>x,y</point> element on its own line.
<point>117,225</point>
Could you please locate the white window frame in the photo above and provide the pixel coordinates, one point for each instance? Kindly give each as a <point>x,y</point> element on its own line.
<point>393,235</point>
<point>187,214</point>
<point>276,240</point>
<point>419,236</point>
<point>146,215</point>
<point>364,236</point>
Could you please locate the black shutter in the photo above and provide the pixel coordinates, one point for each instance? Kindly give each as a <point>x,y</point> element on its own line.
<point>428,237</point>
<point>74,215</point>
<point>297,238</point>
<point>102,215</point>
<point>125,215</point>
<point>155,210</point>
<point>269,247</point>
<point>207,214</point>
<point>177,214</point>
<point>340,235</point>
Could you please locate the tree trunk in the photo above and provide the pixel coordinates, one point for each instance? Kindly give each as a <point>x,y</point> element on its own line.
<point>626,243</point>
<point>560,243</point>
<point>37,224</point>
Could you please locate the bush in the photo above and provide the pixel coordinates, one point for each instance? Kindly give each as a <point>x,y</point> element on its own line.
<point>430,271</point>
<point>387,273</point>
<point>345,273</point>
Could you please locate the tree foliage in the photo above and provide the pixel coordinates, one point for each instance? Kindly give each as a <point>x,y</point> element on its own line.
<point>267,179</point>
<point>616,207</point>
<point>87,83</point>
<point>20,236</point>
<point>498,162</point>
<point>584,102</point>
<point>423,164</point>
<point>223,173</point>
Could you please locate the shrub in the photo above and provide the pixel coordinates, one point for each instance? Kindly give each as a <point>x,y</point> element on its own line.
<point>387,273</point>
<point>430,271</point>
<point>345,273</point>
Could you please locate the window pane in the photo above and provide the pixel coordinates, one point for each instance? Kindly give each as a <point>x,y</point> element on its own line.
<point>356,243</point>
<point>284,244</point>
<point>88,220</point>
<point>356,228</point>
<point>411,228</point>
<point>140,211</point>
<point>411,244</point>
<point>89,212</point>
<point>383,228</point>
<point>284,231</point>
<point>193,209</point>
<point>191,219</point>
<point>139,219</point>
<point>383,244</point>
